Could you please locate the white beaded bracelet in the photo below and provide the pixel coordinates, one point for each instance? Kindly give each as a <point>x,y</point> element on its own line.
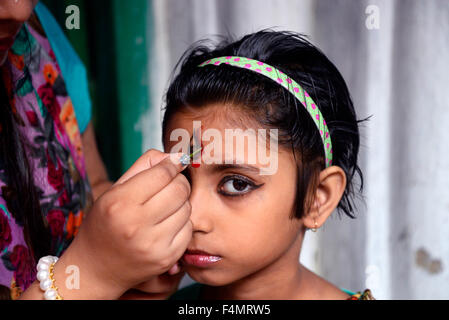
<point>45,277</point>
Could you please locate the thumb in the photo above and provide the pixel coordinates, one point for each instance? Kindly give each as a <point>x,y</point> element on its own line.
<point>175,269</point>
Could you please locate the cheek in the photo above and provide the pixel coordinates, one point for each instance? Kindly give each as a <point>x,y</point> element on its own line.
<point>262,231</point>
<point>263,241</point>
<point>271,225</point>
<point>252,234</point>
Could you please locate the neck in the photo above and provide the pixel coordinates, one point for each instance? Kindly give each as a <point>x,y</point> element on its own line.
<point>283,279</point>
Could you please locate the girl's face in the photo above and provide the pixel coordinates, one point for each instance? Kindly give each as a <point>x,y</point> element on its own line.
<point>13,13</point>
<point>237,214</point>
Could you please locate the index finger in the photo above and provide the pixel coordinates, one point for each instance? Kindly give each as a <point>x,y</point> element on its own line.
<point>148,160</point>
<point>147,183</point>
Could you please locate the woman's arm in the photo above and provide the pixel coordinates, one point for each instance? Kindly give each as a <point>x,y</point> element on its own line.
<point>96,170</point>
<point>100,183</point>
<point>163,285</point>
<point>136,231</point>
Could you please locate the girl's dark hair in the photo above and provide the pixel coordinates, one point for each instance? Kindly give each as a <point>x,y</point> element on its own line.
<point>23,198</point>
<point>273,106</point>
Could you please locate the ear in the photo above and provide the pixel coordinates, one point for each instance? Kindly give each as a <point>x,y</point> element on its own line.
<point>332,184</point>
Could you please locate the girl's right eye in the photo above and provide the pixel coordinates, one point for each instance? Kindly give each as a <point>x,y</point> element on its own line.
<point>236,185</point>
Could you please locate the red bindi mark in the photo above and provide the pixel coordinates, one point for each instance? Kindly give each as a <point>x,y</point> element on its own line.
<point>194,136</point>
<point>197,165</point>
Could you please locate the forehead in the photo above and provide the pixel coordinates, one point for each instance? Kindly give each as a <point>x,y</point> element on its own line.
<point>226,136</point>
<point>215,115</point>
<point>217,120</point>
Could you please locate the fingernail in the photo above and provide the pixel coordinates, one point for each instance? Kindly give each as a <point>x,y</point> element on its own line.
<point>174,270</point>
<point>184,160</point>
<point>180,157</point>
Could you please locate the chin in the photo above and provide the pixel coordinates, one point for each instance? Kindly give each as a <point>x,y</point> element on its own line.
<point>213,278</point>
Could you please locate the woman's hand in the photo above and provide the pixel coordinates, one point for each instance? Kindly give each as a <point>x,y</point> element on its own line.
<point>157,288</point>
<point>135,231</point>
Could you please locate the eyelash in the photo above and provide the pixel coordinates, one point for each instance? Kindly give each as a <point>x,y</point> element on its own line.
<point>226,179</point>
<point>252,185</point>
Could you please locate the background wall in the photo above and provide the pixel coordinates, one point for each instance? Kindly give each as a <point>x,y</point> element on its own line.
<point>397,71</point>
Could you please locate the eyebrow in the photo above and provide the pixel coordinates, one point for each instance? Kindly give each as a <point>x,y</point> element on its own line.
<point>221,167</point>
<point>244,167</point>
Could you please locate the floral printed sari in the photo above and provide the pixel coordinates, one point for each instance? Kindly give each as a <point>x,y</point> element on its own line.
<point>44,113</point>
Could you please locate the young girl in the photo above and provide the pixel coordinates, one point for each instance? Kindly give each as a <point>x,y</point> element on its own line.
<point>249,222</point>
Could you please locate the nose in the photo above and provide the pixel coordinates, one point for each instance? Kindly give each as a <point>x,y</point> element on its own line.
<point>202,206</point>
<point>17,11</point>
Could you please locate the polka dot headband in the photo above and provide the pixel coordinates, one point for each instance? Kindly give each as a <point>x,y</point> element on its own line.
<point>289,84</point>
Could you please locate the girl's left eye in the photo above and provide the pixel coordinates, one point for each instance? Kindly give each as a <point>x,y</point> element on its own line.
<point>236,186</point>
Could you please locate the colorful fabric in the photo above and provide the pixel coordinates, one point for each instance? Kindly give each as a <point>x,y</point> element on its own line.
<point>46,118</point>
<point>72,68</point>
<point>365,295</point>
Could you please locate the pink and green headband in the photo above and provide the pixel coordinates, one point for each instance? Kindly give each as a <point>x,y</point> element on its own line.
<point>289,84</point>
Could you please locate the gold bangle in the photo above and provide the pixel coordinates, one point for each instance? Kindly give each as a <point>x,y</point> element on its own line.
<point>53,286</point>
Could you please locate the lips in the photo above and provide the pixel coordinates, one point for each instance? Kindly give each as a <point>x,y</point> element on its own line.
<point>6,43</point>
<point>195,251</point>
<point>199,258</point>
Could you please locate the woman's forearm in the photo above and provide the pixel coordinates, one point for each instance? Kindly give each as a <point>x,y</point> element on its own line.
<point>76,278</point>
